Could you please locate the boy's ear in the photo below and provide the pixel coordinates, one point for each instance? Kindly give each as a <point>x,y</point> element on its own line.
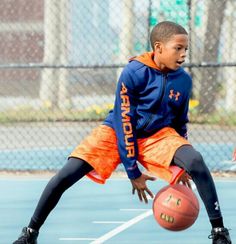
<point>157,47</point>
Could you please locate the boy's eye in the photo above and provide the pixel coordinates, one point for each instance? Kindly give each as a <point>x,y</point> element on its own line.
<point>180,48</point>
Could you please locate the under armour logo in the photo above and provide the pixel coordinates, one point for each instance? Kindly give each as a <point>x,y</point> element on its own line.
<point>217,206</point>
<point>174,94</point>
<point>172,199</point>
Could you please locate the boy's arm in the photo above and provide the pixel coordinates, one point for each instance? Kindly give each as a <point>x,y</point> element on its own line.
<point>180,123</point>
<point>124,124</point>
<point>182,120</point>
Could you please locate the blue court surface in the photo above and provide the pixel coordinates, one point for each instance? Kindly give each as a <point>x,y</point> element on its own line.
<point>93,213</point>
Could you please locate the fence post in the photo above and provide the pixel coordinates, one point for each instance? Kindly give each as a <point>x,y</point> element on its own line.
<point>64,100</point>
<point>49,79</point>
<point>211,47</point>
<point>126,35</point>
<point>230,44</point>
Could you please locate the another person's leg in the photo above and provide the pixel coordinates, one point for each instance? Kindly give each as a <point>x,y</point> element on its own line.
<point>192,162</point>
<point>73,171</point>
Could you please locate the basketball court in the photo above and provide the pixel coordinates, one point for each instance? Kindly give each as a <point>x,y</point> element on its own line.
<point>93,213</point>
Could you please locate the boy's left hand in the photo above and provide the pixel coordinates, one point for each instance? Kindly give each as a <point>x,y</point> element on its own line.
<point>185,179</point>
<point>139,185</point>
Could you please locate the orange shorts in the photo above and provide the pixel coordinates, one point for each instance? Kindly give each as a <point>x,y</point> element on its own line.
<point>156,152</point>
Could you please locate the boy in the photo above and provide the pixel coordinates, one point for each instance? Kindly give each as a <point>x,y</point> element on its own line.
<point>148,125</point>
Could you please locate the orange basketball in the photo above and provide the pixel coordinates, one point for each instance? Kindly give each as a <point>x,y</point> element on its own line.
<point>175,207</point>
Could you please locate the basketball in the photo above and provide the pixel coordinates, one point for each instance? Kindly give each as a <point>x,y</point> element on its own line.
<point>175,207</point>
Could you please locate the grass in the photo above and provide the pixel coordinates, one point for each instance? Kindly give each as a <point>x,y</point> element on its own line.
<point>46,115</point>
<point>98,113</point>
<point>220,117</point>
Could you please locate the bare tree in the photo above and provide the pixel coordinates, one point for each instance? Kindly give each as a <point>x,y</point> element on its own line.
<point>209,84</point>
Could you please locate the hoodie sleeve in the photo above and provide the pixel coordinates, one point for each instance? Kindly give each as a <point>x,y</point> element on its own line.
<point>181,123</point>
<point>124,123</point>
<point>182,120</point>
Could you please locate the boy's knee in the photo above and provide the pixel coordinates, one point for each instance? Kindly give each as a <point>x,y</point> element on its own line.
<point>197,157</point>
<point>196,163</point>
<point>59,180</point>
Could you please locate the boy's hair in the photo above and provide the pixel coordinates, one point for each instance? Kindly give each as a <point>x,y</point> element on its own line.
<point>163,31</point>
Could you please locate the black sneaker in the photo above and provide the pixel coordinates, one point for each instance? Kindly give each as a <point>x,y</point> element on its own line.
<point>220,236</point>
<point>27,236</point>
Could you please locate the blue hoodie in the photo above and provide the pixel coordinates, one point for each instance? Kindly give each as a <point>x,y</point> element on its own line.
<point>147,100</point>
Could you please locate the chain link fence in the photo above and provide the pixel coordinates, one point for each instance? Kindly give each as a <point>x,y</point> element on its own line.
<point>60,60</point>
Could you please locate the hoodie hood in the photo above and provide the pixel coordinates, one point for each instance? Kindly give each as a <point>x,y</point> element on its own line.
<point>147,59</point>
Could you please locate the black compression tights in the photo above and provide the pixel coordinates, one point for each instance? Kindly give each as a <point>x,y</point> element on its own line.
<point>185,157</point>
<point>192,162</point>
<point>74,170</point>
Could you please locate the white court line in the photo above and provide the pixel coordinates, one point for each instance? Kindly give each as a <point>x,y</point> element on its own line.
<point>109,235</point>
<point>134,209</point>
<point>108,222</point>
<point>76,239</point>
<point>122,227</point>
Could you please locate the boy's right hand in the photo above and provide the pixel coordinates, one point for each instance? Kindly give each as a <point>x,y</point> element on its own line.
<point>139,185</point>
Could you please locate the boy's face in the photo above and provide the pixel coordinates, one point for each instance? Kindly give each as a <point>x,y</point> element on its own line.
<point>170,55</point>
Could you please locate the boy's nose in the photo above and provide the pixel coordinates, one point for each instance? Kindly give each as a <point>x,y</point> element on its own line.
<point>184,54</point>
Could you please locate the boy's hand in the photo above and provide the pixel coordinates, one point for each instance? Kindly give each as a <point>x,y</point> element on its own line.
<point>139,184</point>
<point>185,180</point>
<point>234,155</point>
